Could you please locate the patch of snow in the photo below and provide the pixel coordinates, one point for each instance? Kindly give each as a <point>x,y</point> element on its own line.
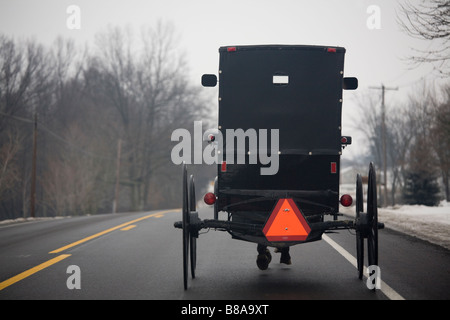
<point>29,219</point>
<point>427,223</point>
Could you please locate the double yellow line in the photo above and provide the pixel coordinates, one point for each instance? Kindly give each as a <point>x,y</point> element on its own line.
<point>50,262</point>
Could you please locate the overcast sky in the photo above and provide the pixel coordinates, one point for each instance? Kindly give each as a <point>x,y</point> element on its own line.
<point>376,47</point>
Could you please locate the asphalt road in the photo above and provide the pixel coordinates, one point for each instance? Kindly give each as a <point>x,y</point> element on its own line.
<point>139,256</point>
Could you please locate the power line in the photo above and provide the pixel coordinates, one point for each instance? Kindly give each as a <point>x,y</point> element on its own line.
<point>16,117</point>
<point>58,137</point>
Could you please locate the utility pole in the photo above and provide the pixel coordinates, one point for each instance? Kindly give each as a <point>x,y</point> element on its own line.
<point>33,170</point>
<point>383,136</point>
<point>116,194</point>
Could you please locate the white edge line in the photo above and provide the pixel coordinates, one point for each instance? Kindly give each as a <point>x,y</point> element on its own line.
<point>387,290</point>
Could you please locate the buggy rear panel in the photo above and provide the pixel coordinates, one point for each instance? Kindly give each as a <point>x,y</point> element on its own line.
<point>297,90</point>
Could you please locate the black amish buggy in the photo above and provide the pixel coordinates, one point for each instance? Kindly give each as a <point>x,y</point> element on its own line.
<point>293,92</point>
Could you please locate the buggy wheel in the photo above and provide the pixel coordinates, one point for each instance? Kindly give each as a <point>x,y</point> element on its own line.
<point>192,236</point>
<point>372,218</point>
<point>359,233</point>
<point>185,224</point>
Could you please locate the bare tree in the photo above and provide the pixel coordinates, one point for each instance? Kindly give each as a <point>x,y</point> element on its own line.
<point>440,138</point>
<point>429,20</point>
<point>400,135</point>
<point>136,89</point>
<point>25,86</point>
<point>70,183</point>
<point>76,151</point>
<point>401,127</point>
<point>147,84</point>
<point>9,168</point>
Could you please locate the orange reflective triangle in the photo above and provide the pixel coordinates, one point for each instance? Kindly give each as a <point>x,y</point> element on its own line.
<point>286,223</point>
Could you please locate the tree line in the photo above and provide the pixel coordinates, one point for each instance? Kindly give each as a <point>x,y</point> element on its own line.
<point>102,117</point>
<point>417,144</point>
<point>417,133</point>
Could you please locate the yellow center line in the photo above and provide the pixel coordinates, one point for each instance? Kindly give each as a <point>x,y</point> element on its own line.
<point>73,244</point>
<point>131,226</point>
<point>127,225</point>
<point>31,271</point>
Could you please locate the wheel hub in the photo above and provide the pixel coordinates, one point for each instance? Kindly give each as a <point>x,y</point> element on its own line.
<point>362,224</point>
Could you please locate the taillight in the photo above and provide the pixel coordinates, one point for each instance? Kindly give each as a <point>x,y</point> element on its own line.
<point>346,200</point>
<point>209,198</point>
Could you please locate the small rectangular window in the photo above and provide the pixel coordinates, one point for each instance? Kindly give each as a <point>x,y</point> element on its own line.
<point>280,79</point>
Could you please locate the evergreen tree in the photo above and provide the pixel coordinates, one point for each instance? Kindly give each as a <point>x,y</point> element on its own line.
<point>421,186</point>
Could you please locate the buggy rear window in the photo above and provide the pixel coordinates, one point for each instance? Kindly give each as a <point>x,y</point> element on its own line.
<point>280,79</point>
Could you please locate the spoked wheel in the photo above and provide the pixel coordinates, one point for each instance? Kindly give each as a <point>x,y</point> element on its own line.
<point>185,222</point>
<point>366,223</point>
<point>192,235</point>
<point>190,225</point>
<point>359,233</point>
<point>372,218</point>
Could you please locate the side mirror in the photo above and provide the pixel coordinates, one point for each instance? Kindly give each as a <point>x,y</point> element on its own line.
<point>350,83</point>
<point>209,80</point>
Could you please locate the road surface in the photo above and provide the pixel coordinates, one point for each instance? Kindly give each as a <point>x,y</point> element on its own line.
<point>139,256</point>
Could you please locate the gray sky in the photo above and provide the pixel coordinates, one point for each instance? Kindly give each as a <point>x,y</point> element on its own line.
<point>374,55</point>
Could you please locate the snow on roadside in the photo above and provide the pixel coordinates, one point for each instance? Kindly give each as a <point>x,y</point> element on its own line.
<point>427,223</point>
<point>29,219</point>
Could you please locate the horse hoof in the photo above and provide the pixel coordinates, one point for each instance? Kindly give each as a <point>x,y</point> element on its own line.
<point>262,261</point>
